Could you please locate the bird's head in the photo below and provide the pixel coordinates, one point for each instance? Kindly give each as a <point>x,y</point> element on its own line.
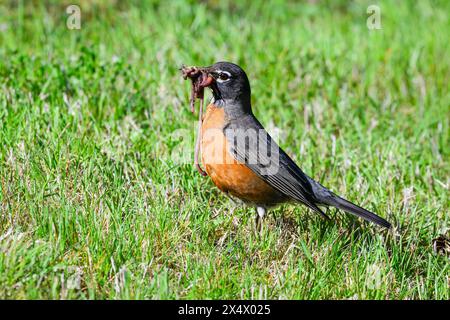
<point>228,82</point>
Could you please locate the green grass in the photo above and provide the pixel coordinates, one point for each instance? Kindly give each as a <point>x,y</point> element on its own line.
<point>94,203</point>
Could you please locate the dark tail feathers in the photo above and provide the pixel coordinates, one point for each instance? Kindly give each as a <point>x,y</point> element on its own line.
<point>352,208</point>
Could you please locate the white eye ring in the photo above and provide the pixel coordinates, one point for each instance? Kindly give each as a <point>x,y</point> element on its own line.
<point>223,80</point>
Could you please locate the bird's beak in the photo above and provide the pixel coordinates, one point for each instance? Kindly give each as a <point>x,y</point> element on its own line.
<point>201,77</point>
<point>207,78</point>
<point>207,81</point>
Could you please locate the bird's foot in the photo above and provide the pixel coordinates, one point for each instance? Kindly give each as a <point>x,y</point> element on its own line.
<point>260,213</point>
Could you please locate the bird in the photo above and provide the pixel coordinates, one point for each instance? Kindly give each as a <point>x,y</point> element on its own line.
<point>243,160</point>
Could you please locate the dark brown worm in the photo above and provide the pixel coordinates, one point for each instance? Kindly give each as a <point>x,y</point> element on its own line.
<point>197,92</point>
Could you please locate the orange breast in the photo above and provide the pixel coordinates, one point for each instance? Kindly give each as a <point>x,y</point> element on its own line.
<point>229,175</point>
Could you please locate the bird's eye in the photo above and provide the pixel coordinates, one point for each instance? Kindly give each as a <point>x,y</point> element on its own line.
<point>223,76</point>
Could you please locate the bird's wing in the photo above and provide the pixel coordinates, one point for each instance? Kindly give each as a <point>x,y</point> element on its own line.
<point>254,147</point>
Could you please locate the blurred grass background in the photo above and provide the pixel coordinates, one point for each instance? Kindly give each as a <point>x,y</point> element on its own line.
<point>93,205</point>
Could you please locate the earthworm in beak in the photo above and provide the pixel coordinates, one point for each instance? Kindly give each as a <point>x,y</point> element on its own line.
<point>200,79</point>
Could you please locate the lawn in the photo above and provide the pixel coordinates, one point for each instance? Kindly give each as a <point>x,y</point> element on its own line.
<point>98,195</point>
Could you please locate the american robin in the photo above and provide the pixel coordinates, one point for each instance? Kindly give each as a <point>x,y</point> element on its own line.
<point>242,159</point>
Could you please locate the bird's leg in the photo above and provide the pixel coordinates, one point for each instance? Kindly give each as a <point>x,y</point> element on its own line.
<point>260,213</point>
